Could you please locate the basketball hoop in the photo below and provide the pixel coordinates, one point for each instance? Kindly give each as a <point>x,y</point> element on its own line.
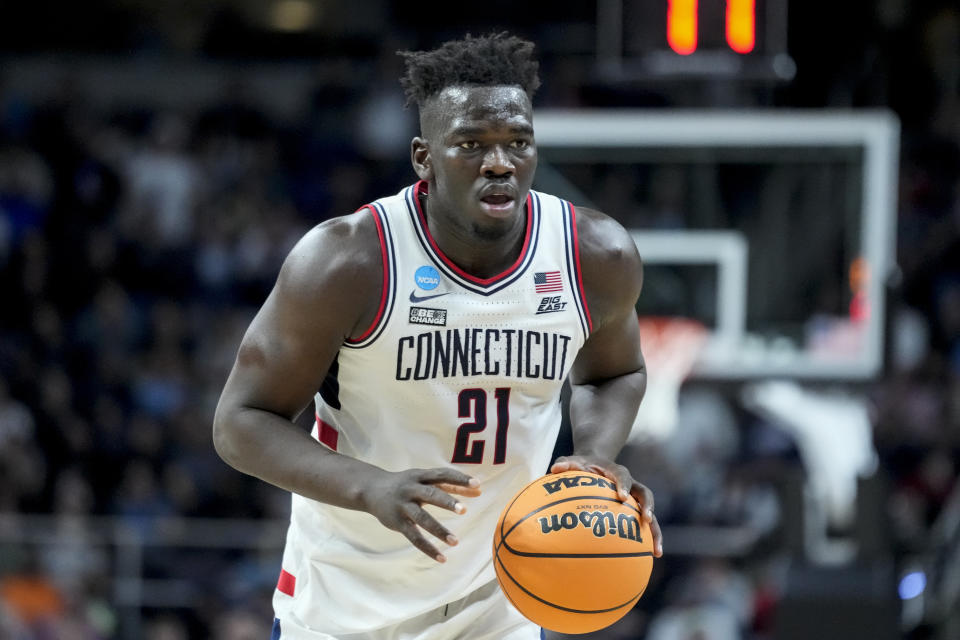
<point>671,346</point>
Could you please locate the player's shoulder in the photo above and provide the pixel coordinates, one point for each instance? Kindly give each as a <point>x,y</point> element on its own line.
<point>609,261</point>
<point>603,237</point>
<point>605,246</point>
<point>344,250</point>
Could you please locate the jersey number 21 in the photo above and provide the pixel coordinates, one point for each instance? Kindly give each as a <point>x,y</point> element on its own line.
<point>472,403</point>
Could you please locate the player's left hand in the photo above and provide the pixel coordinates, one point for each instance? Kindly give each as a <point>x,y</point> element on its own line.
<point>625,484</point>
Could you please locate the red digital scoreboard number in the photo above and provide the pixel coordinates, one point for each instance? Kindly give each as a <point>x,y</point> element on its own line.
<point>683,25</point>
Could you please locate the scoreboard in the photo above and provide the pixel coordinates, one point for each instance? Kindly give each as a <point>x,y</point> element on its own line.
<point>656,38</point>
<point>739,25</point>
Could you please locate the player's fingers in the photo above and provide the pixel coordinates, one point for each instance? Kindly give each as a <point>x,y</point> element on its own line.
<point>644,498</point>
<point>429,524</point>
<point>431,494</point>
<point>657,538</point>
<point>456,489</point>
<point>617,473</point>
<point>448,476</point>
<point>564,463</point>
<point>412,533</point>
<point>621,478</point>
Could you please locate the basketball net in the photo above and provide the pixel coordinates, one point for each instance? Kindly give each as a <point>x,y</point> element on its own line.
<point>671,346</point>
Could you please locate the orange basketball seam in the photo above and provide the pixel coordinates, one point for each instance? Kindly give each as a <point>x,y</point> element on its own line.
<point>496,557</point>
<point>562,608</point>
<point>513,502</point>
<point>506,511</point>
<point>530,554</point>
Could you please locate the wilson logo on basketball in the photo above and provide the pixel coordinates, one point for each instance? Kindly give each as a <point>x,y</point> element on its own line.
<point>577,481</point>
<point>602,522</point>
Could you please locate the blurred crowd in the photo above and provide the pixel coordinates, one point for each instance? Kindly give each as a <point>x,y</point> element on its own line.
<point>136,244</point>
<point>134,249</point>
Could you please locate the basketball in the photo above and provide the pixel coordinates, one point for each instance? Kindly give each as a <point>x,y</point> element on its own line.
<point>569,555</point>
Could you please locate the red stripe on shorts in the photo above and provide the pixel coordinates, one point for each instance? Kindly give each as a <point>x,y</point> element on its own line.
<point>287,583</point>
<point>328,435</point>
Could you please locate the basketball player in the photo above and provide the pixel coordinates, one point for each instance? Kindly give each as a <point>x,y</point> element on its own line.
<point>438,326</point>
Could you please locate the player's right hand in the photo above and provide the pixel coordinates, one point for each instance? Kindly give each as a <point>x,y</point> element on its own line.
<point>396,499</point>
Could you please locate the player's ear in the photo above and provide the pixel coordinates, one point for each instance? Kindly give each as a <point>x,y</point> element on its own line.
<point>420,157</point>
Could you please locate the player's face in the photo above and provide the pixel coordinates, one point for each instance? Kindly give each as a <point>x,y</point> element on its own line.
<point>480,156</point>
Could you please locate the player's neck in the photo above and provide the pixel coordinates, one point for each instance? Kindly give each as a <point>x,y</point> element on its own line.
<point>480,254</point>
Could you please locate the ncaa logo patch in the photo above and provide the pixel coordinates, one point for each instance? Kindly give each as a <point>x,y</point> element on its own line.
<point>427,278</point>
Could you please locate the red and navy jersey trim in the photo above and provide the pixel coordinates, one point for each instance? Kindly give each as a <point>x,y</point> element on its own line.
<point>482,286</point>
<point>286,584</point>
<point>388,292</point>
<point>574,273</point>
<point>326,432</point>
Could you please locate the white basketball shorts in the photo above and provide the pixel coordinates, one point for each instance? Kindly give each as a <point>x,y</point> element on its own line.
<point>485,614</point>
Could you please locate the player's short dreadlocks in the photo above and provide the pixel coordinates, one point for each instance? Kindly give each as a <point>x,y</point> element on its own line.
<point>495,59</point>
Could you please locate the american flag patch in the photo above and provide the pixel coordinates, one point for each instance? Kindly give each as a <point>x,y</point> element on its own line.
<point>548,281</point>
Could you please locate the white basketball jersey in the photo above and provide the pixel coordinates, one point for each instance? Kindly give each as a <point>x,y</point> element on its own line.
<point>456,371</point>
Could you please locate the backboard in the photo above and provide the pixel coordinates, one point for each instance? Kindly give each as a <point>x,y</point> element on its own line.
<point>774,228</point>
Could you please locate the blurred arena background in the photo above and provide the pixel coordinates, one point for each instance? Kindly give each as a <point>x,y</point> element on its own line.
<point>791,172</point>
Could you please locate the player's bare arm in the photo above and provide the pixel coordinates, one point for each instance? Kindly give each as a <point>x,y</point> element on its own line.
<point>328,290</point>
<point>609,377</point>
